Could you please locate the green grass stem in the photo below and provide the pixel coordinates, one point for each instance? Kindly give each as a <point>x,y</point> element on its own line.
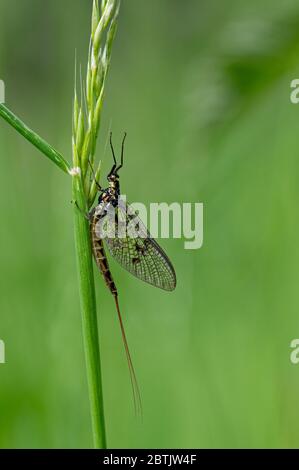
<point>89,315</point>
<point>86,124</point>
<point>34,138</point>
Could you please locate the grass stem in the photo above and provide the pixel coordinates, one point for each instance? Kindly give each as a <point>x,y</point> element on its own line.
<point>86,125</point>
<point>104,22</point>
<point>89,315</point>
<point>34,138</point>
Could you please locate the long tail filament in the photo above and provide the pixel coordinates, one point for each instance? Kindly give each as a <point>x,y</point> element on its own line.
<point>134,382</point>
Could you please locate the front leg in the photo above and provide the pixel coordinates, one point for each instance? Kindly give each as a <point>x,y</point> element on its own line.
<point>86,215</point>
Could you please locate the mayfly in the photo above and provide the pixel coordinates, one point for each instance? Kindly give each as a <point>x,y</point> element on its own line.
<point>140,255</point>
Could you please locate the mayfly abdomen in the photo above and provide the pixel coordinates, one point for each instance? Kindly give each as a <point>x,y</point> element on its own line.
<point>102,263</point>
<point>100,256</point>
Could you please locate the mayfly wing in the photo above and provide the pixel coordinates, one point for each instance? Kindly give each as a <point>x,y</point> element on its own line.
<point>140,255</point>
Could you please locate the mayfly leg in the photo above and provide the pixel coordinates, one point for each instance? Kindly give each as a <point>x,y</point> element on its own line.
<point>86,215</point>
<point>101,190</point>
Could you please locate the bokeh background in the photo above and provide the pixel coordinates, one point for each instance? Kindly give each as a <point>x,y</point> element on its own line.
<point>203,89</point>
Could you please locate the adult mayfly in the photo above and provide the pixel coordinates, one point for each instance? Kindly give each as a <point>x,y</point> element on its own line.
<point>139,254</point>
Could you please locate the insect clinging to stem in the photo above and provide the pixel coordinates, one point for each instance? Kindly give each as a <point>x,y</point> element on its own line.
<point>140,255</point>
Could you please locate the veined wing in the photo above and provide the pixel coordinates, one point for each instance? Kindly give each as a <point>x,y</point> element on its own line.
<point>139,254</point>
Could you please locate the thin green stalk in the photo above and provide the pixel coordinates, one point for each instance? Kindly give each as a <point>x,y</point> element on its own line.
<point>89,315</point>
<point>86,124</point>
<point>87,119</point>
<point>86,280</point>
<point>104,21</point>
<point>34,138</point>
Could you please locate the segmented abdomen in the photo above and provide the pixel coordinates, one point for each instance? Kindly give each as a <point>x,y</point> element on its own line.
<point>100,256</point>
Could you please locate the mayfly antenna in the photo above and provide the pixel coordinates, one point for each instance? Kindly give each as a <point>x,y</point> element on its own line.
<point>122,153</point>
<point>112,148</point>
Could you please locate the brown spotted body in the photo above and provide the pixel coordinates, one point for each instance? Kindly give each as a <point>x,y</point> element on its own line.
<point>100,255</point>
<point>101,260</point>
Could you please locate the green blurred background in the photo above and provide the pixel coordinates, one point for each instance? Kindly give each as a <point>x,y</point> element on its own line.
<point>203,89</point>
